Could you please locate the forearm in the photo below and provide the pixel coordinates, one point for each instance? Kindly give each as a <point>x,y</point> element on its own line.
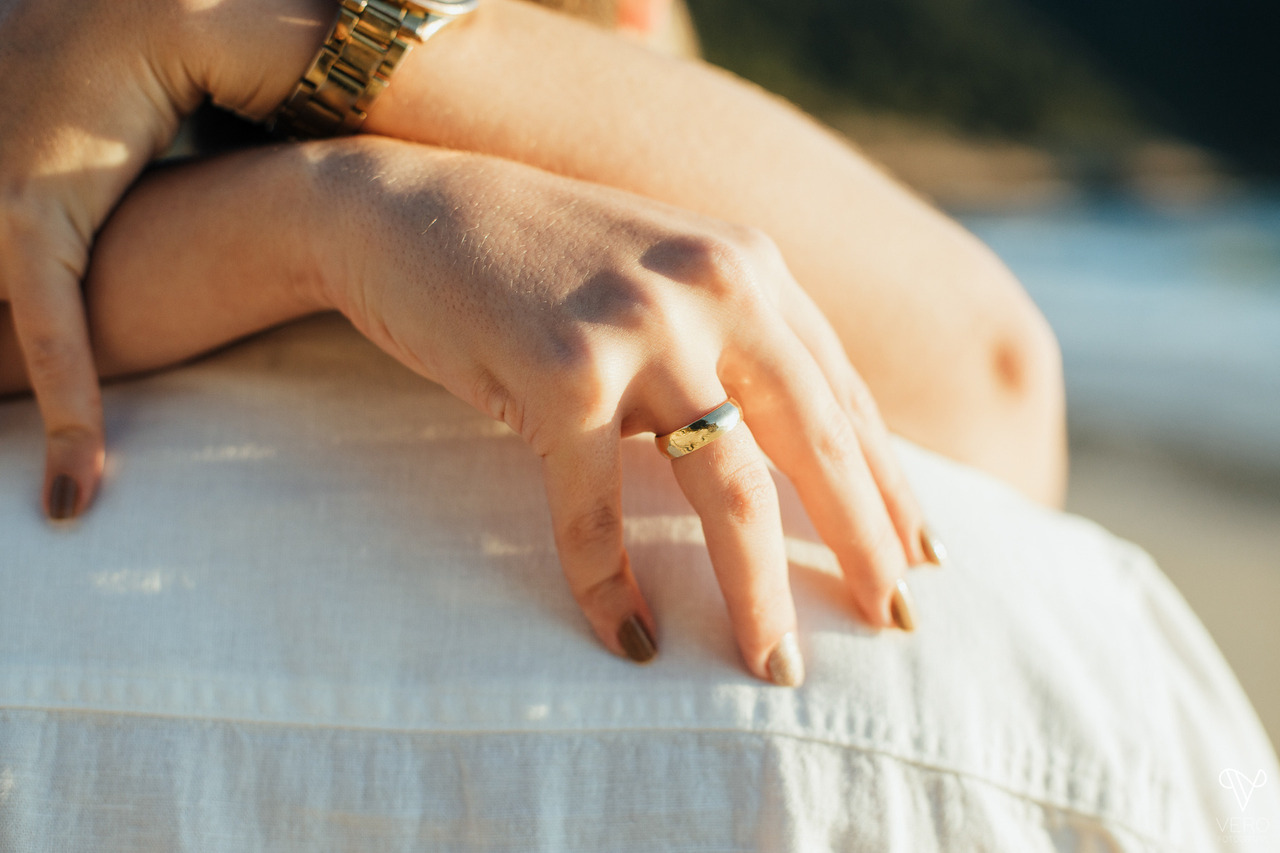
<point>957,356</point>
<point>195,257</point>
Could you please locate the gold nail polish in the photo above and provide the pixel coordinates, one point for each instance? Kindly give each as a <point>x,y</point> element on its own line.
<point>902,606</point>
<point>786,666</point>
<point>934,551</point>
<point>636,640</point>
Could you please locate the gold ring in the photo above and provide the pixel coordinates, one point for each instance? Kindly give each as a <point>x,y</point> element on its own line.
<point>701,432</point>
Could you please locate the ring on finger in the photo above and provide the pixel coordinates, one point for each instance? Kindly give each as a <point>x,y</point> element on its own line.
<point>701,432</point>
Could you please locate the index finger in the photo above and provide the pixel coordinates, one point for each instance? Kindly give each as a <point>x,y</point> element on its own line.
<point>53,335</point>
<point>583,481</point>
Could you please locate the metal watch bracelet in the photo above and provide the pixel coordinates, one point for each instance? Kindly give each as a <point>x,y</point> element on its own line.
<point>363,50</point>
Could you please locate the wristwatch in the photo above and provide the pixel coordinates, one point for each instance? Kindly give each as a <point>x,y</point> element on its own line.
<point>367,43</point>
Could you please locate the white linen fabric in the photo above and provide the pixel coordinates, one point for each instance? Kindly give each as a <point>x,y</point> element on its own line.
<point>317,607</point>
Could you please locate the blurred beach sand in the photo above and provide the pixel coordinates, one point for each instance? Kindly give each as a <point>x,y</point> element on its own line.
<point>1169,321</point>
<point>1214,533</point>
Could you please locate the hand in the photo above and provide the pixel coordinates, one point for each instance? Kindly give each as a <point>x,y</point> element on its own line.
<point>578,315</point>
<point>92,89</point>
<point>574,313</point>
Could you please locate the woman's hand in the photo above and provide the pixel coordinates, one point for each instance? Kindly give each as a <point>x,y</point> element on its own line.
<point>92,90</point>
<point>578,315</point>
<point>574,313</point>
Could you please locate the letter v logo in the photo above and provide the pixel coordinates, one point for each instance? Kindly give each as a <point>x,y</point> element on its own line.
<point>1241,784</point>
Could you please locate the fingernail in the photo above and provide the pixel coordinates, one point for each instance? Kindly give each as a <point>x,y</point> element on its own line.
<point>636,641</point>
<point>63,494</point>
<point>786,666</point>
<point>902,607</point>
<point>934,551</point>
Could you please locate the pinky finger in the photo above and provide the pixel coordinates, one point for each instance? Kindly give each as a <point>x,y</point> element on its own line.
<point>807,321</point>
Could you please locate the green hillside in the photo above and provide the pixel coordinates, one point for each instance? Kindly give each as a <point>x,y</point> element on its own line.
<point>1067,74</point>
<point>984,66</point>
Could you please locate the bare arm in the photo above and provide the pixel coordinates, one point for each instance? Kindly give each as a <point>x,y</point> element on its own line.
<point>955,353</point>
<point>957,356</point>
<point>575,313</point>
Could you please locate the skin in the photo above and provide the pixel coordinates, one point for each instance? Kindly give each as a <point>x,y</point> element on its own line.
<point>621,317</point>
<point>956,355</point>
<point>943,335</point>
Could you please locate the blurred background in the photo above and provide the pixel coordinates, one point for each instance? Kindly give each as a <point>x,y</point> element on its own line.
<point>1124,160</point>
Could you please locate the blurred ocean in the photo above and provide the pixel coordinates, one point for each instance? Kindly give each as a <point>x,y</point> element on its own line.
<point>1169,320</point>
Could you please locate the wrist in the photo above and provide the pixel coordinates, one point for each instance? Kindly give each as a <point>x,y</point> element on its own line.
<point>312,231</point>
<point>248,55</point>
<point>331,179</point>
<point>377,213</point>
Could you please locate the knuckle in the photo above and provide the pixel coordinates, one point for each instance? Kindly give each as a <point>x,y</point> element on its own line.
<point>33,224</point>
<point>837,444</point>
<point>748,494</point>
<point>730,271</point>
<point>717,264</point>
<point>612,297</point>
<point>582,378</point>
<point>18,225</point>
<point>733,266</point>
<point>75,436</point>
<point>51,358</point>
<point>756,243</point>
<point>579,371</point>
<point>494,399</point>
<point>598,593</point>
<point>594,528</point>
<point>860,399</point>
<point>760,266</point>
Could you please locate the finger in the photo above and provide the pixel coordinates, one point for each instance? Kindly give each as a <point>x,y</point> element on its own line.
<point>583,479</point>
<point>812,328</point>
<point>803,428</point>
<point>49,319</point>
<point>729,485</point>
<point>13,376</point>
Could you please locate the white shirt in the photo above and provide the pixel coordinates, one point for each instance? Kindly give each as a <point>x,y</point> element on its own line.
<point>317,606</point>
